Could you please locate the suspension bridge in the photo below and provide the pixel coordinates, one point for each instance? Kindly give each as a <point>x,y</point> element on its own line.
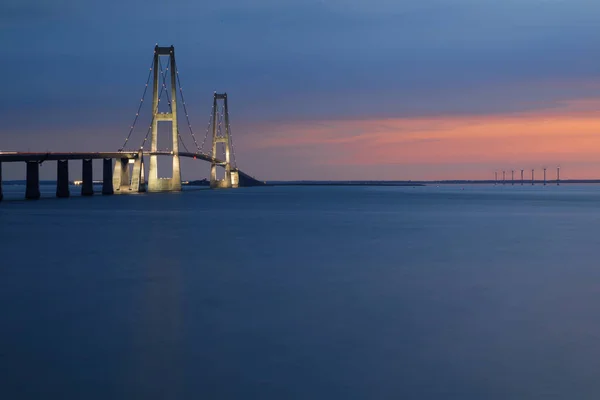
<point>124,170</point>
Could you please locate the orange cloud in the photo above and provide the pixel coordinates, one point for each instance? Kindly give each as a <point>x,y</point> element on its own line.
<point>567,133</point>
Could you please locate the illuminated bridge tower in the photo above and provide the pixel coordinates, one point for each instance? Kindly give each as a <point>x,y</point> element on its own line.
<point>156,184</point>
<point>221,134</point>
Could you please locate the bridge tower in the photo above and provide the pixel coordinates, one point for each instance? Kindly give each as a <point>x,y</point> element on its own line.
<point>156,184</point>
<point>221,133</point>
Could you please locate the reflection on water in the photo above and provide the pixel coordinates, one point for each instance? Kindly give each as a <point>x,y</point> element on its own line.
<point>302,292</point>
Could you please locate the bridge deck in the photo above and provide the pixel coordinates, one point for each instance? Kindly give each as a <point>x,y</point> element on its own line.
<point>51,156</point>
<point>40,157</point>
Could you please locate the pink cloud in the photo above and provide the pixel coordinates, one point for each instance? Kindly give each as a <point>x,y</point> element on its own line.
<point>566,133</point>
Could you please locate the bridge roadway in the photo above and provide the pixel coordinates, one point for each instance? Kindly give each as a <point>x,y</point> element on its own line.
<point>53,156</point>
<point>39,157</point>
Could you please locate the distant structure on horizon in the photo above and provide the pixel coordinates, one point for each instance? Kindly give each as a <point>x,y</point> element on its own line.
<point>521,176</point>
<point>512,177</point>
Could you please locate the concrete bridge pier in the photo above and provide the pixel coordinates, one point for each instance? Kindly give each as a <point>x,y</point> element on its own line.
<point>231,179</point>
<point>87,178</point>
<point>235,179</point>
<point>62,179</point>
<point>120,178</point>
<point>137,179</point>
<point>107,177</point>
<point>32,190</point>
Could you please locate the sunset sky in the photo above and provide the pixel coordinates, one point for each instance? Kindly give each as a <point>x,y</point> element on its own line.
<point>318,89</point>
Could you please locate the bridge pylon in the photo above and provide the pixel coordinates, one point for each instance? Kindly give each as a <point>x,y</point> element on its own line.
<point>156,184</point>
<point>221,134</point>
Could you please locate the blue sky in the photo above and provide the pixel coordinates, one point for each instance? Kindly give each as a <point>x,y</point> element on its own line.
<point>74,70</point>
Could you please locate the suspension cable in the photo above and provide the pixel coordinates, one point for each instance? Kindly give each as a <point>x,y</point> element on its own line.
<point>185,109</point>
<point>183,144</point>
<point>137,114</point>
<point>207,129</point>
<point>154,112</point>
<point>152,121</point>
<point>221,123</point>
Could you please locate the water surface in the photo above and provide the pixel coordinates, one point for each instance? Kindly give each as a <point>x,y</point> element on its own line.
<point>303,292</point>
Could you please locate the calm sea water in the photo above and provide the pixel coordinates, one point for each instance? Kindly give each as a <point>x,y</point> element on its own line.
<point>303,293</point>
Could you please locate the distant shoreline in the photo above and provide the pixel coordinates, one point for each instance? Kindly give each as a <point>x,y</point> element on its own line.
<point>362,183</point>
<point>425,183</point>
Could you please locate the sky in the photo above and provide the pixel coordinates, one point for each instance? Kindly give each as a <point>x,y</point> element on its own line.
<point>318,89</point>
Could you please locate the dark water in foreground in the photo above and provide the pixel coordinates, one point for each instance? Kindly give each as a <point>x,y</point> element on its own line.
<point>300,292</point>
